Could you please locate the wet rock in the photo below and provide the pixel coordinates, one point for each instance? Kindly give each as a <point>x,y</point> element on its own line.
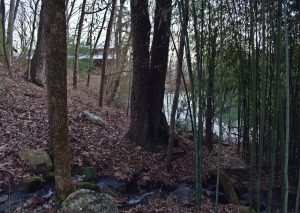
<point>183,193</point>
<point>139,199</point>
<point>94,118</point>
<point>113,184</point>
<point>225,185</point>
<point>79,178</point>
<point>234,164</point>
<point>37,159</point>
<point>90,186</point>
<point>3,198</point>
<point>84,200</point>
<point>211,193</point>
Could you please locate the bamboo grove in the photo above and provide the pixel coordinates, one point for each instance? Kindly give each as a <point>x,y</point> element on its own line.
<point>246,54</point>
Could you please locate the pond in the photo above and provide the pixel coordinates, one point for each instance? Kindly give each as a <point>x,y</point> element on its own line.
<point>183,121</point>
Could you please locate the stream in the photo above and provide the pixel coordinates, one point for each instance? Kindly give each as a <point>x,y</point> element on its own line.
<point>182,192</point>
<point>18,197</point>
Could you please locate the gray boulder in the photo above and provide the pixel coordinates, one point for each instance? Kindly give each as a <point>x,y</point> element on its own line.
<point>94,118</point>
<point>88,201</point>
<point>234,164</point>
<point>37,159</point>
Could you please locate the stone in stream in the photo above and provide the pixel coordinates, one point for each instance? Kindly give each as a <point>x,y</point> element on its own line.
<point>87,201</point>
<point>139,199</point>
<point>211,193</point>
<point>37,159</point>
<point>3,198</point>
<point>112,184</point>
<point>183,193</point>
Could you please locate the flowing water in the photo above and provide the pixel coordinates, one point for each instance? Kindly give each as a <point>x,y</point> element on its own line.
<point>18,197</point>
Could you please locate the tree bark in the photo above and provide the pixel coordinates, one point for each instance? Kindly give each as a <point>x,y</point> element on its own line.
<point>76,54</point>
<point>119,52</point>
<point>105,52</point>
<point>148,77</point>
<point>4,37</point>
<point>55,27</point>
<point>96,43</point>
<point>139,101</point>
<point>10,27</point>
<point>158,64</point>
<point>210,91</point>
<point>32,38</point>
<point>38,61</point>
<point>178,84</point>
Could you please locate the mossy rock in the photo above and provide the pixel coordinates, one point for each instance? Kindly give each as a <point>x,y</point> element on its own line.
<point>88,201</point>
<point>49,176</point>
<point>90,186</point>
<point>34,183</point>
<point>226,186</point>
<point>37,159</point>
<point>246,209</point>
<point>90,174</point>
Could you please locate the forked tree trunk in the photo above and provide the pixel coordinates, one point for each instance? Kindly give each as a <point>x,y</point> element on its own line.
<point>55,27</point>
<point>148,83</point>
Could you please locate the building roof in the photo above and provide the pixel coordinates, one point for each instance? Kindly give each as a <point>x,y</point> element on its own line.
<point>97,57</point>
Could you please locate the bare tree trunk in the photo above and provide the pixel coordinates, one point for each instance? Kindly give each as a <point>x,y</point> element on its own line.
<point>2,58</point>
<point>148,83</point>
<point>38,61</point>
<point>158,65</point>
<point>10,28</point>
<point>16,9</point>
<point>117,52</point>
<point>4,37</point>
<point>57,95</point>
<point>105,52</point>
<point>69,13</point>
<point>139,102</point>
<point>32,38</point>
<point>96,43</point>
<point>210,90</point>
<point>177,88</point>
<point>76,54</point>
<point>120,68</point>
